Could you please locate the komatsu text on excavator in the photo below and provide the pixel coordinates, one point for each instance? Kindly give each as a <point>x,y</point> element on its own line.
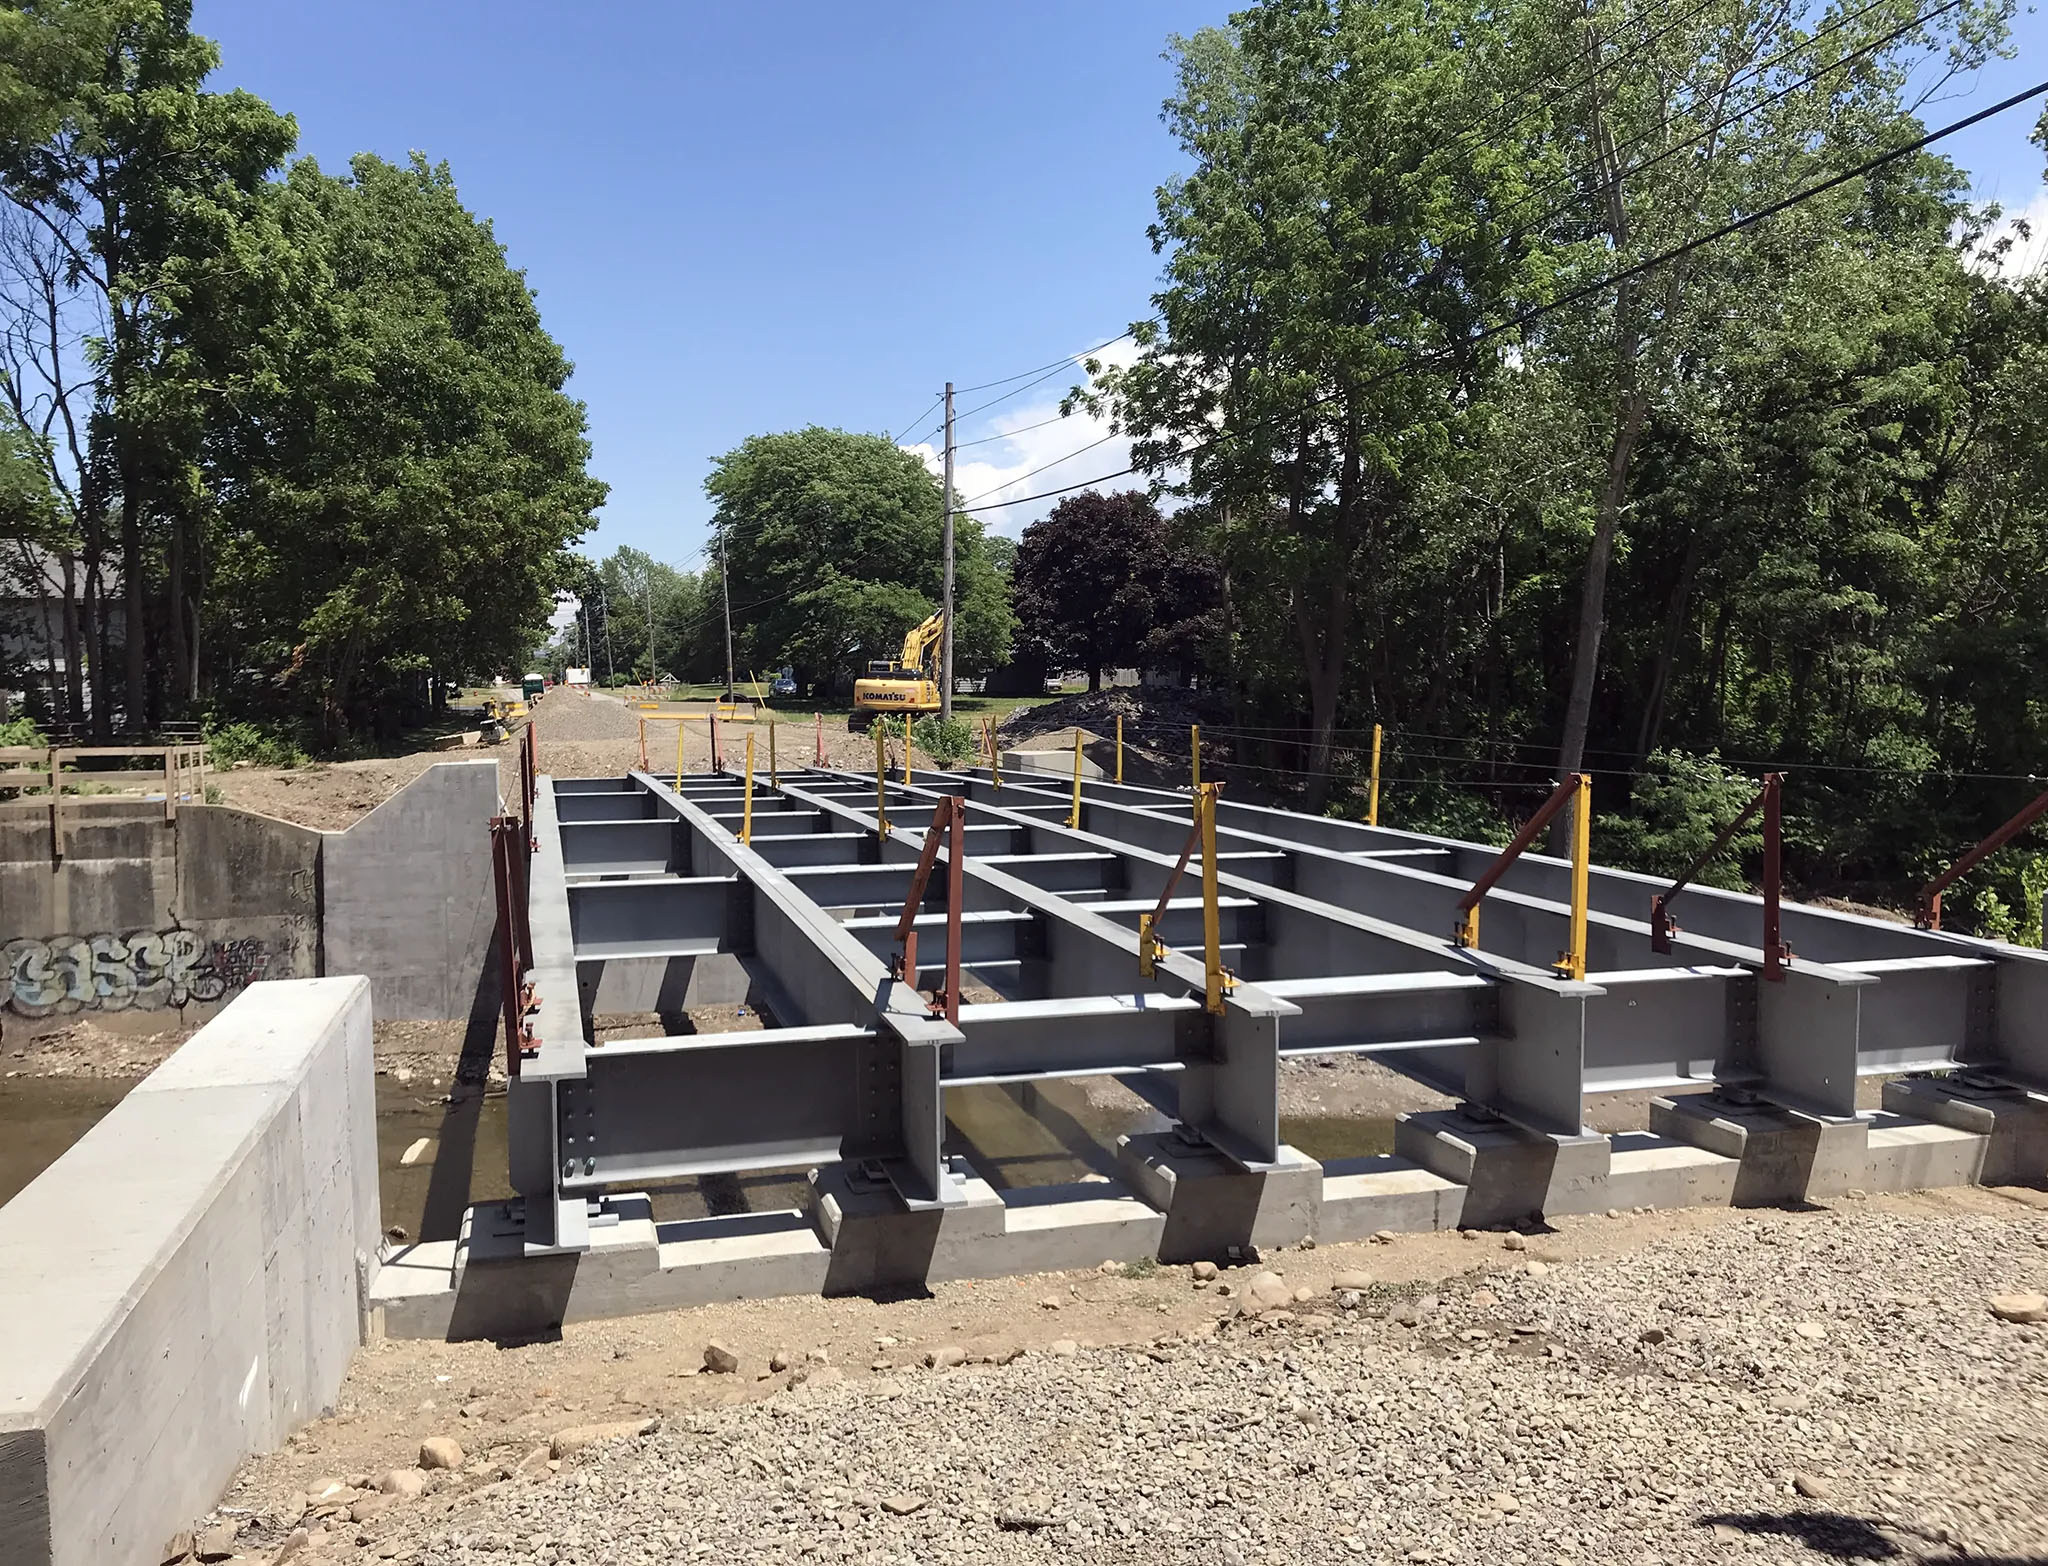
<point>909,685</point>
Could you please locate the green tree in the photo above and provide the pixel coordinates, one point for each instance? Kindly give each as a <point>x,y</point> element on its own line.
<point>136,199</point>
<point>400,500</point>
<point>1328,234</point>
<point>833,545</point>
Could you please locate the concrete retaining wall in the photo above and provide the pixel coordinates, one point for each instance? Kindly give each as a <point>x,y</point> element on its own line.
<point>145,915</point>
<point>148,915</point>
<point>180,1289</point>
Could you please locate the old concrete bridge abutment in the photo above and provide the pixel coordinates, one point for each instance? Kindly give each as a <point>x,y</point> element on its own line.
<point>143,914</point>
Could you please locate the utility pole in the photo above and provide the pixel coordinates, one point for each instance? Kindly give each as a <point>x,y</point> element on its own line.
<point>946,631</point>
<point>725,588</point>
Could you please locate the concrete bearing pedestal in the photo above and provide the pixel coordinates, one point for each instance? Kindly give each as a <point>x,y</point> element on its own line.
<point>1510,1175</point>
<point>1212,1203</point>
<point>881,1245</point>
<point>2012,1122</point>
<point>1783,1158</point>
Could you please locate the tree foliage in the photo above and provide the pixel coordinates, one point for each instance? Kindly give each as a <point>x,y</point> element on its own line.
<point>1099,584</point>
<point>308,435</point>
<point>1778,500</point>
<point>834,549</point>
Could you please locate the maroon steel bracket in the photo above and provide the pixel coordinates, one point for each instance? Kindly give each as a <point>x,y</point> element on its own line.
<point>1927,912</point>
<point>949,821</point>
<point>508,866</point>
<point>1467,932</point>
<point>1776,952</point>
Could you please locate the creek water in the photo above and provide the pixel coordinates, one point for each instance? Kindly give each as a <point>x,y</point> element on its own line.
<point>1015,1136</point>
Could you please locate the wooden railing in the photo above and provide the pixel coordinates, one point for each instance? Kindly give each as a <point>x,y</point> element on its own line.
<point>180,769</point>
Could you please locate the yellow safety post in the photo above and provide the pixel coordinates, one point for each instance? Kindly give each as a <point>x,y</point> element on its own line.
<point>1372,804</point>
<point>1571,964</point>
<point>747,795</point>
<point>774,781</point>
<point>906,751</point>
<point>1219,980</point>
<point>680,726</point>
<point>1074,815</point>
<point>881,783</point>
<point>995,763</point>
<point>1195,746</point>
<point>1119,747</point>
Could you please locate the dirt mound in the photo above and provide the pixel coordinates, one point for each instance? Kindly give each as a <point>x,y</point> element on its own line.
<point>1151,713</point>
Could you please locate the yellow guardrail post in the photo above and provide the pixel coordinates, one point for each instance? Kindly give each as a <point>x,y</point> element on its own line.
<point>747,795</point>
<point>1119,747</point>
<point>1372,804</point>
<point>881,782</point>
<point>1074,814</point>
<point>906,750</point>
<point>1219,981</point>
<point>1195,748</point>
<point>774,779</point>
<point>680,726</point>
<point>1571,964</point>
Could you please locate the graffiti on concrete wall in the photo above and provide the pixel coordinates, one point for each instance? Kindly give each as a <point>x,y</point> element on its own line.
<point>147,970</point>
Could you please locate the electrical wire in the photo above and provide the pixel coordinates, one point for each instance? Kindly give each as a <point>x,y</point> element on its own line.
<point>897,440</point>
<point>1599,285</point>
<point>1021,477</point>
<point>1572,176</point>
<point>1072,358</point>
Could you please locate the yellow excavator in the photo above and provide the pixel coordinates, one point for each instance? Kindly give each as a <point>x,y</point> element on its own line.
<point>908,685</point>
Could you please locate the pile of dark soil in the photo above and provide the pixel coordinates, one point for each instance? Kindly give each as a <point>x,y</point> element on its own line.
<point>1152,714</point>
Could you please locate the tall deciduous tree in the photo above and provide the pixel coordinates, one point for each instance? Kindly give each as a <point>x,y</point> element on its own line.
<point>130,188</point>
<point>834,548</point>
<point>400,498</point>
<point>1341,219</point>
<point>1098,578</point>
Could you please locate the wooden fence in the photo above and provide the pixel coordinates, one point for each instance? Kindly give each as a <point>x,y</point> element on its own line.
<point>180,770</point>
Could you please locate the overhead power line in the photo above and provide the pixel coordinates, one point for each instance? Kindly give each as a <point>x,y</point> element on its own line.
<point>1072,358</point>
<point>1614,279</point>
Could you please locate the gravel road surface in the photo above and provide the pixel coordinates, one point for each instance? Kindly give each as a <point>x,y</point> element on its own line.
<point>1765,1387</point>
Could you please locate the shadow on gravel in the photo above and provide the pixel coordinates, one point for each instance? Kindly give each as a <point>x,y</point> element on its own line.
<point>1844,1538</point>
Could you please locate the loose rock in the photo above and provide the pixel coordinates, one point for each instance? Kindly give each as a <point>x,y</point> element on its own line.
<point>577,1437</point>
<point>2020,1308</point>
<point>409,1483</point>
<point>440,1452</point>
<point>1812,1486</point>
<point>902,1504</point>
<point>720,1360</point>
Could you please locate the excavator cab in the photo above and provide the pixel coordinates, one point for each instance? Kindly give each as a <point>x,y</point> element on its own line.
<point>907,684</point>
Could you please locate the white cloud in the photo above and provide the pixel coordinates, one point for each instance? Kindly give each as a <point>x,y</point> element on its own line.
<point>1035,451</point>
<point>566,607</point>
<point>2027,255</point>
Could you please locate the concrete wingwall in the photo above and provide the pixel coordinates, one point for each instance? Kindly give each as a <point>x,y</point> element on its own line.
<point>408,897</point>
<point>144,914</point>
<point>183,1287</point>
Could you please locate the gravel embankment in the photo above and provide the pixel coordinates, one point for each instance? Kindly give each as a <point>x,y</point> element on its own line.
<point>1772,1389</point>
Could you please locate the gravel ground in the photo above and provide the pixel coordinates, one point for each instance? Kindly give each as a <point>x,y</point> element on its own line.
<point>1742,1387</point>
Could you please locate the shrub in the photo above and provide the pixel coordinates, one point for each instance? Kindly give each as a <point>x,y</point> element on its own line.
<point>947,741</point>
<point>22,732</point>
<point>228,743</point>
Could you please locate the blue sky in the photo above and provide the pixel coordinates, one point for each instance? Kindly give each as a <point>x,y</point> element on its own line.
<point>744,216</point>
